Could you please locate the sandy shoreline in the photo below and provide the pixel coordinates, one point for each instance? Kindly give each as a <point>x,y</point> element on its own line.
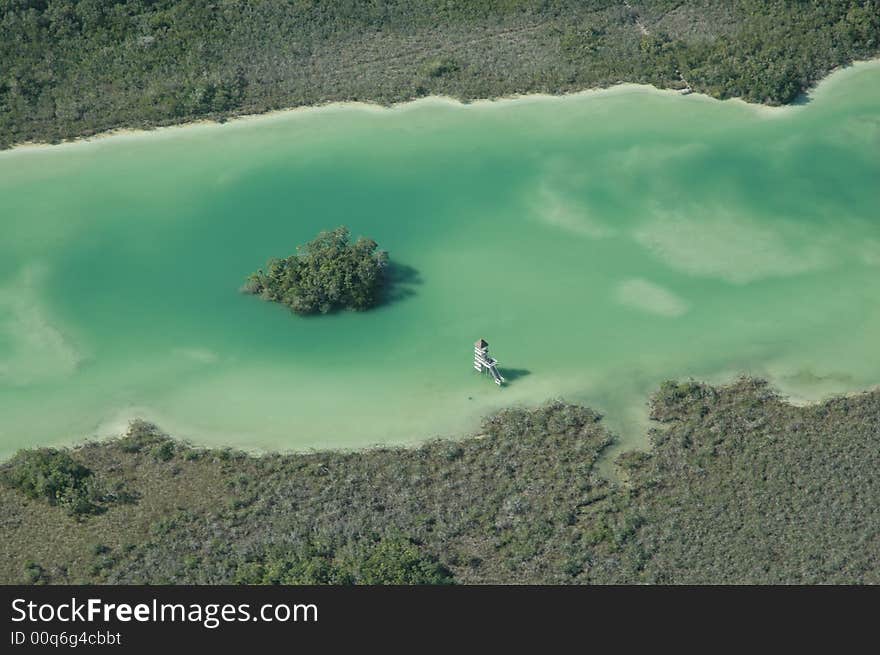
<point>822,87</point>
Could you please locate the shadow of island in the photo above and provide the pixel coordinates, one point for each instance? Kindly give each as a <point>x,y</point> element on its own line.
<point>400,283</point>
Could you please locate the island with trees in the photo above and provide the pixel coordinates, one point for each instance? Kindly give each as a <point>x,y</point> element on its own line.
<point>326,274</point>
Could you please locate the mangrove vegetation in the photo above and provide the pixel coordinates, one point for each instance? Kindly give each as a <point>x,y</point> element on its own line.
<point>738,486</point>
<point>73,68</point>
<point>326,274</point>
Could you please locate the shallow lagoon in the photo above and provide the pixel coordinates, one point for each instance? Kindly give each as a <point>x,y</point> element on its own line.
<point>600,242</point>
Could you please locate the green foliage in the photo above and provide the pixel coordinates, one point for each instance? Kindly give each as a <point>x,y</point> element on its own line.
<point>398,562</point>
<point>737,487</point>
<point>758,491</point>
<point>438,67</point>
<point>579,43</point>
<point>391,561</point>
<point>34,574</point>
<point>52,475</point>
<point>502,508</point>
<point>555,418</point>
<point>140,436</point>
<point>77,67</point>
<point>326,274</point>
<point>146,437</point>
<point>163,451</point>
<point>632,460</point>
<point>310,565</point>
<point>673,396</point>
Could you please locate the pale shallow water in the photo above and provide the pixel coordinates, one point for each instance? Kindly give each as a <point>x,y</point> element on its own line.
<point>601,243</point>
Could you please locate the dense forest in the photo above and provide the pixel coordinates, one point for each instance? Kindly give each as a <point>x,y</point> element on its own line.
<point>71,68</point>
<point>326,274</point>
<point>738,487</point>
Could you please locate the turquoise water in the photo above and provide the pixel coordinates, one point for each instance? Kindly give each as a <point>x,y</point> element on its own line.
<point>601,243</point>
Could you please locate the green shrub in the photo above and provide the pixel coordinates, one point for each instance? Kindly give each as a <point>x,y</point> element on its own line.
<point>35,574</point>
<point>141,435</point>
<point>52,475</point>
<point>390,561</point>
<point>398,561</point>
<point>439,67</point>
<point>164,451</point>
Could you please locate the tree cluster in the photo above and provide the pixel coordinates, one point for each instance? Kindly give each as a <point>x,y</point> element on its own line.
<point>52,475</point>
<point>326,274</point>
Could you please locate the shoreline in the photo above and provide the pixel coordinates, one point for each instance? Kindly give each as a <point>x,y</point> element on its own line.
<point>119,134</point>
<point>120,426</point>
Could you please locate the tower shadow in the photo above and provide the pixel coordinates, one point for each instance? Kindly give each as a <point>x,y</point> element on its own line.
<point>511,375</point>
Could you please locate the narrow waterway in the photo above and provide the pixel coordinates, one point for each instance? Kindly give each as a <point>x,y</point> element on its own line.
<point>601,243</point>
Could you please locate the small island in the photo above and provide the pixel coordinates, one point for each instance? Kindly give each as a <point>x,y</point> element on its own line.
<point>326,274</point>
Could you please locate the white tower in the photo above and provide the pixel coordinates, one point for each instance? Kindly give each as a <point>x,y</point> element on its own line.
<point>482,361</point>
